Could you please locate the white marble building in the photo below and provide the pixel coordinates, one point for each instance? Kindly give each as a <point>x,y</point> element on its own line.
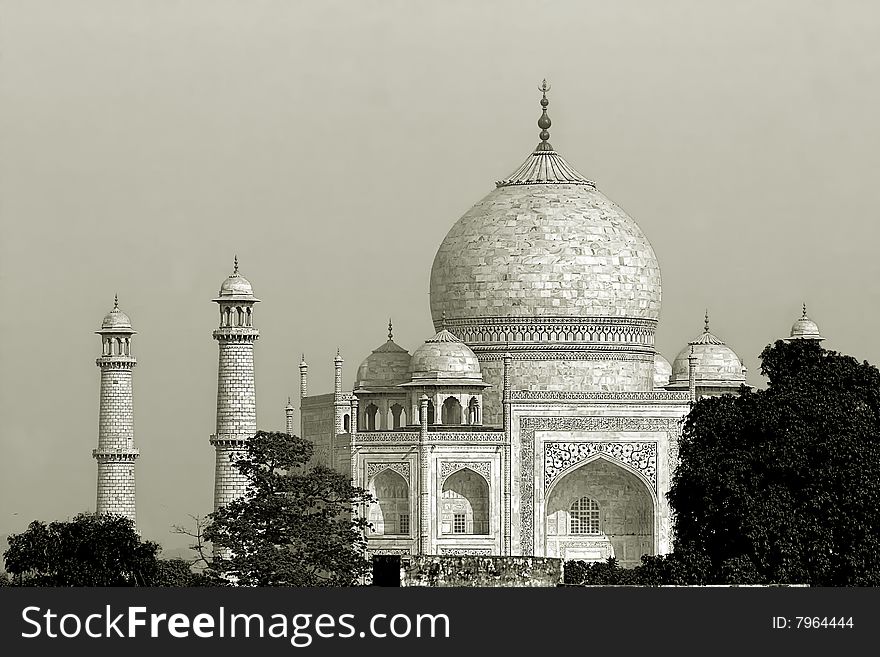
<point>539,419</point>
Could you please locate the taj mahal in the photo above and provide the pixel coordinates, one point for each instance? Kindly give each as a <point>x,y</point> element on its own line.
<point>538,420</point>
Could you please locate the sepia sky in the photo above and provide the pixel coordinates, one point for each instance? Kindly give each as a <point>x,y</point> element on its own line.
<point>331,145</point>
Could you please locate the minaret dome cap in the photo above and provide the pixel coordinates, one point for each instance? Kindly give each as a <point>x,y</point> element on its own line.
<point>236,287</point>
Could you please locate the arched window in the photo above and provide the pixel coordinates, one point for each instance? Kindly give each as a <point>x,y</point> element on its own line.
<point>396,416</point>
<point>473,411</point>
<point>451,412</point>
<point>430,412</point>
<point>371,412</point>
<point>389,514</point>
<point>583,517</point>
<point>464,505</point>
<point>346,423</point>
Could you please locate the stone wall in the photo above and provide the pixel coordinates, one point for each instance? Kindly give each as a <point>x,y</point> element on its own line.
<point>490,571</point>
<point>636,373</point>
<point>319,420</point>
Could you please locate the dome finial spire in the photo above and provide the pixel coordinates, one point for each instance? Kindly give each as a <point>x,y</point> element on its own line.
<point>544,122</point>
<point>805,310</point>
<point>706,321</point>
<point>115,302</point>
<point>443,321</point>
<point>235,267</point>
<point>390,334</point>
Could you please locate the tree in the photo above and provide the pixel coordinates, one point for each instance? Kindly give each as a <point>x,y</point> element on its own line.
<point>294,526</point>
<point>90,550</point>
<point>177,573</point>
<point>783,485</point>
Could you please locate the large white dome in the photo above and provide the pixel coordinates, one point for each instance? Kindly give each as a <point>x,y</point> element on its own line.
<point>545,250</point>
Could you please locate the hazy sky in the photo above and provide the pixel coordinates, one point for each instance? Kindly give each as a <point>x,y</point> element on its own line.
<point>332,145</point>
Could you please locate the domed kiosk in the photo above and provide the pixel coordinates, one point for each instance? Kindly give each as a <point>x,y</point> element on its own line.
<point>805,328</point>
<point>448,373</point>
<point>383,403</point>
<point>548,268</point>
<point>717,368</point>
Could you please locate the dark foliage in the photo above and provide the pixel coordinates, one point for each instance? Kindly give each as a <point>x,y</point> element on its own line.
<point>178,573</point>
<point>295,526</point>
<point>783,485</point>
<point>90,550</point>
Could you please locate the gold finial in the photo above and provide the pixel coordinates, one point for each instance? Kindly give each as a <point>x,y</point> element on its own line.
<point>805,311</point>
<point>115,302</point>
<point>443,321</point>
<point>235,268</point>
<point>390,334</point>
<point>706,322</point>
<point>544,122</point>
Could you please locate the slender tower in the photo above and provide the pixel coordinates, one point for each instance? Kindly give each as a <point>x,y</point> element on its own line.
<point>236,395</point>
<point>116,452</point>
<point>288,416</point>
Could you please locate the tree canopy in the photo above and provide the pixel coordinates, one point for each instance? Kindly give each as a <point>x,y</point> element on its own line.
<point>90,550</point>
<point>294,526</point>
<point>782,485</point>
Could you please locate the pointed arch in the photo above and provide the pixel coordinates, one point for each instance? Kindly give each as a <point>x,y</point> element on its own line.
<point>464,503</point>
<point>451,411</point>
<point>390,513</point>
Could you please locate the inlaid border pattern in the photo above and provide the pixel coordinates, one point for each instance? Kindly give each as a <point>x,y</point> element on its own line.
<point>640,456</point>
<point>401,468</point>
<point>447,468</point>
<point>465,552</point>
<point>557,395</point>
<point>527,428</point>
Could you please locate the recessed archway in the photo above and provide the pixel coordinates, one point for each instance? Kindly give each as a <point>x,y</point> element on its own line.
<point>464,504</point>
<point>451,411</point>
<point>600,509</point>
<point>390,513</point>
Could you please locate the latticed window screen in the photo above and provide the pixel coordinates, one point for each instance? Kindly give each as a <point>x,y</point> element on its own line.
<point>458,524</point>
<point>584,517</point>
<point>403,523</point>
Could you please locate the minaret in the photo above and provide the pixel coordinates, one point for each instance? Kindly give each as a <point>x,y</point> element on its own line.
<point>116,452</point>
<point>288,414</point>
<point>340,403</point>
<point>303,391</point>
<point>236,394</point>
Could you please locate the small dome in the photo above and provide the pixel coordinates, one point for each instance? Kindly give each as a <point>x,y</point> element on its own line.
<point>805,328</point>
<point>445,358</point>
<point>116,319</point>
<point>386,367</point>
<point>717,364</point>
<point>236,287</point>
<point>662,371</point>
